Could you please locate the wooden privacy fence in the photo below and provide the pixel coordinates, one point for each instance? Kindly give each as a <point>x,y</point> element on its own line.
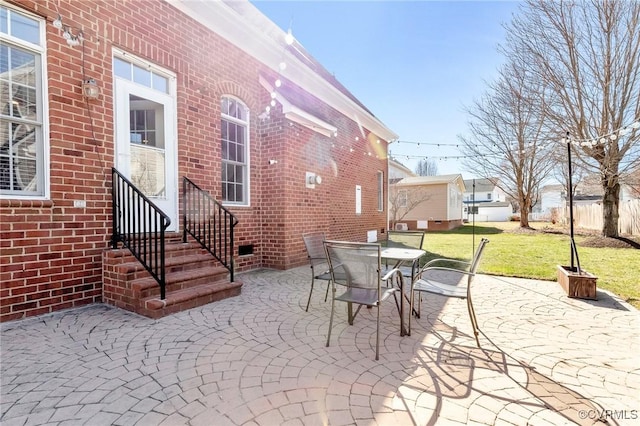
<point>590,217</point>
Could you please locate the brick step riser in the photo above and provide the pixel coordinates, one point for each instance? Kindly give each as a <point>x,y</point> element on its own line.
<point>170,251</point>
<point>189,304</point>
<point>154,290</point>
<point>188,265</point>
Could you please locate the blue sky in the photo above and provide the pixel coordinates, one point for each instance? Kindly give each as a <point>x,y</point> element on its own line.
<point>414,64</point>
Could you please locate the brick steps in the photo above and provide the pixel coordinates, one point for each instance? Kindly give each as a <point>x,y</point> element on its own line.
<point>190,297</point>
<point>193,278</point>
<point>185,262</point>
<point>180,280</point>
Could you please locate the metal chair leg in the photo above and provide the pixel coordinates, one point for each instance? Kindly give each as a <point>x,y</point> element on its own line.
<point>333,301</point>
<point>411,299</point>
<point>474,321</point>
<point>378,333</point>
<point>310,292</point>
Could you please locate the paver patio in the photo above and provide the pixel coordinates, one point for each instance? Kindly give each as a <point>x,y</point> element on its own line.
<point>260,359</point>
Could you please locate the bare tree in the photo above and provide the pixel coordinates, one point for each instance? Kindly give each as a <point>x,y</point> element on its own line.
<point>509,144</point>
<point>633,180</point>
<point>587,54</point>
<point>561,171</point>
<point>427,168</point>
<point>403,199</point>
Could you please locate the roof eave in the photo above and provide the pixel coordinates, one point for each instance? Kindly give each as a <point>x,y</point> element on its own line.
<point>229,24</point>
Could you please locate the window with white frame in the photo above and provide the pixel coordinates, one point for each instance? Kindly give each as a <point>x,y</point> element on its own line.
<point>235,151</point>
<point>380,191</point>
<point>403,198</point>
<point>22,110</point>
<point>136,73</point>
<point>488,196</point>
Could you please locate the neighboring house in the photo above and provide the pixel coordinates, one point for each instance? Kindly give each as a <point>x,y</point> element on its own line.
<point>211,91</point>
<point>427,202</point>
<point>587,205</point>
<point>398,171</point>
<point>552,199</point>
<point>589,191</point>
<point>484,199</point>
<point>482,191</point>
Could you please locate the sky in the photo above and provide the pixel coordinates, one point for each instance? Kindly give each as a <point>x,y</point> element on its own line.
<point>415,64</point>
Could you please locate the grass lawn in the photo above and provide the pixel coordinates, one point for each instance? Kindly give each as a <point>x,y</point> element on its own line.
<point>536,254</point>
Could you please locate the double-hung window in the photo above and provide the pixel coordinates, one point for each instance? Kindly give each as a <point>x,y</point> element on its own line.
<point>403,198</point>
<point>235,152</point>
<point>22,109</point>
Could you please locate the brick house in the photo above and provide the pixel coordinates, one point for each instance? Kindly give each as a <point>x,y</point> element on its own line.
<point>209,91</point>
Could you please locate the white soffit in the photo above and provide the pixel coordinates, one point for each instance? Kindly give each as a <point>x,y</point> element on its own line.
<point>298,115</point>
<point>255,34</point>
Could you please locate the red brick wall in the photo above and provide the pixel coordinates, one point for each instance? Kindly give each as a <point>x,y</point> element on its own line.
<point>50,255</point>
<point>343,161</point>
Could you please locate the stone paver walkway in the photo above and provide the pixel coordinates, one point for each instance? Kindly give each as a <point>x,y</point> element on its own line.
<point>260,359</point>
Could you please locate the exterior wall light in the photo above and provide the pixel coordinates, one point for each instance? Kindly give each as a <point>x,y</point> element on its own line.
<point>90,89</point>
<point>312,179</point>
<point>317,180</point>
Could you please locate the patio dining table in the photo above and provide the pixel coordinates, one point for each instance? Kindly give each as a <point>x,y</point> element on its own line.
<point>408,257</point>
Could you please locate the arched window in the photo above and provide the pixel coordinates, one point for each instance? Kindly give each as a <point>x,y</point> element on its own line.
<point>235,152</point>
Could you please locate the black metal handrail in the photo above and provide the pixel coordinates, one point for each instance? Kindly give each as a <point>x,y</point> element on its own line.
<point>140,226</point>
<point>209,222</point>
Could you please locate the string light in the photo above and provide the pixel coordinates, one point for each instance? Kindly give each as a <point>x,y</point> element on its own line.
<point>277,83</point>
<point>442,158</point>
<point>428,143</point>
<point>67,32</point>
<point>289,38</point>
<point>602,139</point>
<point>57,23</point>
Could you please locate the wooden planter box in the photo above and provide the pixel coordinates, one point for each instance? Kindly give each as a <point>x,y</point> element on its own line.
<point>581,286</point>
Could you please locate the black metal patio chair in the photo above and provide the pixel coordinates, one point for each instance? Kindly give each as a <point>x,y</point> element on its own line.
<point>357,266</point>
<point>454,279</point>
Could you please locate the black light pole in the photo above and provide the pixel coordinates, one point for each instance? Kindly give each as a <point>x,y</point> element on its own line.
<point>574,250</point>
<point>473,226</point>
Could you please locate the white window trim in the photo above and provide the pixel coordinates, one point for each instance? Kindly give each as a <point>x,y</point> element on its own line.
<point>247,123</point>
<point>42,103</point>
<point>142,63</point>
<point>380,191</point>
